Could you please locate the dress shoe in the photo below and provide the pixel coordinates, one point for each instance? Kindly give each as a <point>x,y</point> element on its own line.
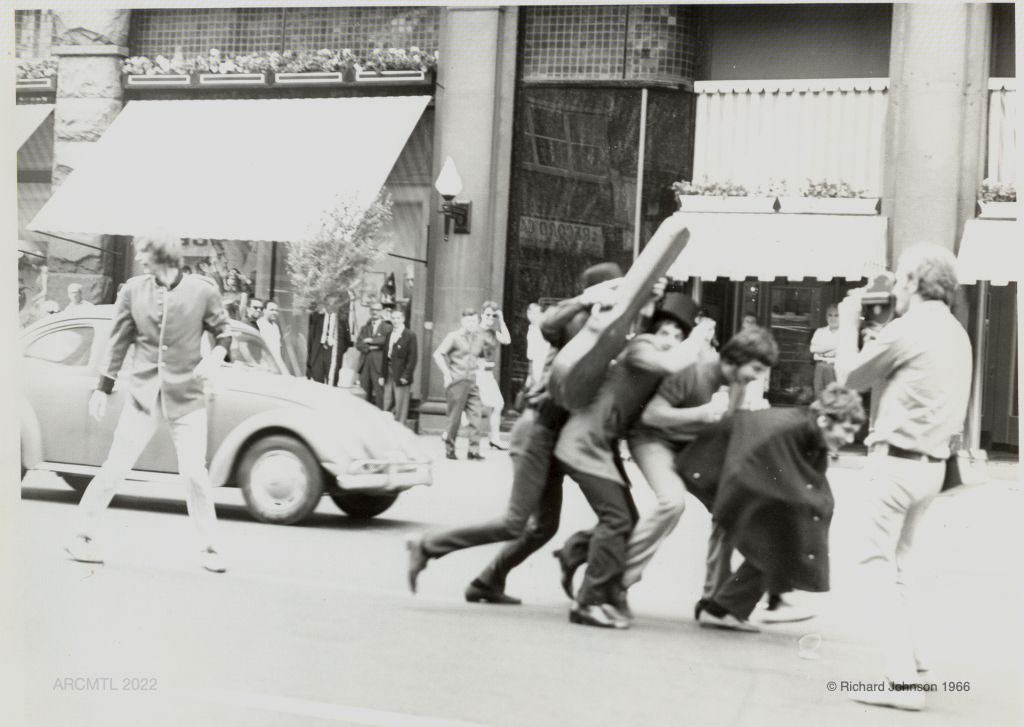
<point>728,621</point>
<point>83,549</point>
<point>911,701</point>
<point>478,592</point>
<point>620,619</point>
<point>418,560</point>
<point>593,615</point>
<point>568,572</point>
<point>496,445</point>
<point>450,454</point>
<point>621,603</point>
<point>475,456</point>
<point>213,562</point>
<point>783,611</point>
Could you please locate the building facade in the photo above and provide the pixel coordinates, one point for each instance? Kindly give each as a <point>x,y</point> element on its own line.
<point>569,125</point>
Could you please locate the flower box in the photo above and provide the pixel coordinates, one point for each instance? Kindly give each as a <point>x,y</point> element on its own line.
<point>232,80</point>
<point>998,210</point>
<point>748,205</point>
<point>390,76</point>
<point>310,78</point>
<point>829,205</point>
<point>36,84</point>
<point>169,80</point>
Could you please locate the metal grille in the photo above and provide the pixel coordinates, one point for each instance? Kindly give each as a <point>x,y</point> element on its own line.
<point>575,43</point>
<point>247,30</point>
<point>35,33</point>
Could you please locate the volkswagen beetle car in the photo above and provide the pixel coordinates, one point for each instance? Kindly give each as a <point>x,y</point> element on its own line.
<point>283,440</point>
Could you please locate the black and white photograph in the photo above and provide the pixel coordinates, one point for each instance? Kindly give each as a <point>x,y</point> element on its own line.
<point>498,364</point>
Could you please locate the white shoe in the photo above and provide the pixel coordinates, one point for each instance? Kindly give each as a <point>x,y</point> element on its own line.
<point>910,701</point>
<point>213,562</point>
<point>784,612</point>
<point>83,549</point>
<point>728,621</point>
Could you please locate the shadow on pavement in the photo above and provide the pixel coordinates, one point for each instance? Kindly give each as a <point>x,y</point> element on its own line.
<point>236,513</point>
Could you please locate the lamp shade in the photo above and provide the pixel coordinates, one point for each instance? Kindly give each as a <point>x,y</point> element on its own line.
<point>448,183</point>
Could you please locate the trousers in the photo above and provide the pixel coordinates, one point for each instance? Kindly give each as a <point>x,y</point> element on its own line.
<point>397,396</point>
<point>134,430</point>
<point>897,495</point>
<point>534,506</point>
<point>464,396</point>
<point>606,555</point>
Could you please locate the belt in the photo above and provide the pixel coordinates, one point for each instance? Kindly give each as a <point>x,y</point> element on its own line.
<point>901,453</point>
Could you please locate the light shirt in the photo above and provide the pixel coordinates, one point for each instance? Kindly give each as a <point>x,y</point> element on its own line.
<point>271,333</point>
<point>923,361</point>
<point>826,341</point>
<point>463,352</point>
<point>396,333</point>
<point>536,350</point>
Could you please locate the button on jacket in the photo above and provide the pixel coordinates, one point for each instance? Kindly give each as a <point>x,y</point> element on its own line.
<point>166,325</point>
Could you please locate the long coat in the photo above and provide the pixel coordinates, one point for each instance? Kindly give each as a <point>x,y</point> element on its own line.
<point>762,476</point>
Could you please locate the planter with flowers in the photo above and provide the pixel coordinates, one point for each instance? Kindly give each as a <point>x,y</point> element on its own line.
<point>313,68</point>
<point>998,201</point>
<point>216,70</point>
<point>391,65</point>
<point>141,72</point>
<point>829,198</point>
<point>720,197</point>
<point>36,74</point>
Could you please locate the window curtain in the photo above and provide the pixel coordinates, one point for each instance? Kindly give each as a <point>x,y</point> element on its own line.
<point>1002,130</point>
<point>758,132</point>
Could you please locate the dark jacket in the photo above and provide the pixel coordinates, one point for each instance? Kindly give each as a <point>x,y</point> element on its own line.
<point>762,476</point>
<point>401,359</point>
<point>375,350</point>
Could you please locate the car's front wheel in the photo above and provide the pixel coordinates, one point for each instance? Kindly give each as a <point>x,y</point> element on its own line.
<point>281,480</point>
<point>363,506</point>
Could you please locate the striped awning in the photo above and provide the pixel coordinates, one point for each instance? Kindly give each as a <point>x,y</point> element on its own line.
<point>769,246</point>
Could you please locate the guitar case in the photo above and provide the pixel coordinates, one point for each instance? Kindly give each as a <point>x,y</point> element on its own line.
<point>579,368</point>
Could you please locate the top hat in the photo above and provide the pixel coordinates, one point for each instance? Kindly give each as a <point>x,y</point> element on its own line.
<point>679,307</point>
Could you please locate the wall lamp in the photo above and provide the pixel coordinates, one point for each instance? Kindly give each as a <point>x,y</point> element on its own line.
<point>449,184</point>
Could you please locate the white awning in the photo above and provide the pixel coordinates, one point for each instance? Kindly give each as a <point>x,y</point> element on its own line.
<point>27,118</point>
<point>238,169</point>
<point>767,246</point>
<point>991,250</point>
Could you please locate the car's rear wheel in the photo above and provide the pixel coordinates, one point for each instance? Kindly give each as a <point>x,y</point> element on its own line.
<point>281,480</point>
<point>78,483</point>
<point>363,506</point>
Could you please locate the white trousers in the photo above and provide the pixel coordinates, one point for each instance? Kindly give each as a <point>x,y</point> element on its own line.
<point>134,430</point>
<point>898,493</point>
<point>656,461</point>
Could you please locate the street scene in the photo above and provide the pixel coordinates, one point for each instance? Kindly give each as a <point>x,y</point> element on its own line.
<point>514,364</point>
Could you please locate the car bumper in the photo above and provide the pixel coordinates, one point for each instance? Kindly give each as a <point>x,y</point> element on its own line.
<point>374,476</point>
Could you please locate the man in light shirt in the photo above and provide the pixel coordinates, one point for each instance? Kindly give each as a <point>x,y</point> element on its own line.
<point>922,360</point>
<point>537,346</point>
<point>269,325</point>
<point>76,301</point>
<point>823,349</point>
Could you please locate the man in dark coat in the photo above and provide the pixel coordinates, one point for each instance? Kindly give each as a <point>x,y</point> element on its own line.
<point>401,363</point>
<point>372,343</point>
<point>762,476</point>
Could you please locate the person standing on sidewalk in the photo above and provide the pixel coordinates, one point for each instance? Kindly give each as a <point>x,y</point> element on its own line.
<point>495,333</point>
<point>459,357</point>
<point>823,349</point>
<point>923,361</point>
<point>401,358</point>
<point>372,343</point>
<point>164,315</point>
<point>535,503</point>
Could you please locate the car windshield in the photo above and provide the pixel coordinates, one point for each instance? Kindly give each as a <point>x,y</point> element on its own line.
<point>247,351</point>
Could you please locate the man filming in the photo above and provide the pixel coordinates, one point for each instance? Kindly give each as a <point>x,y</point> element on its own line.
<point>922,362</point>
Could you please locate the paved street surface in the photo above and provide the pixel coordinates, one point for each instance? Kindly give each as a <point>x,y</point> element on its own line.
<point>313,625</point>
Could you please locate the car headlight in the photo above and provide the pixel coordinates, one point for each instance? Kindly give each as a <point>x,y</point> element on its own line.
<point>367,466</point>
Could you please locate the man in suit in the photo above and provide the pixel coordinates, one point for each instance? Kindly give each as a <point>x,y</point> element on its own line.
<point>401,363</point>
<point>372,343</point>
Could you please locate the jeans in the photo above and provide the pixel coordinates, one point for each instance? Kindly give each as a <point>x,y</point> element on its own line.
<point>606,556</point>
<point>134,430</point>
<point>897,495</point>
<point>534,506</point>
<point>398,396</point>
<point>464,396</point>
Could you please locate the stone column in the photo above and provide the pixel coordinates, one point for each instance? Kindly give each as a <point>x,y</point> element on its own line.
<point>473,112</point>
<point>936,128</point>
<point>92,44</point>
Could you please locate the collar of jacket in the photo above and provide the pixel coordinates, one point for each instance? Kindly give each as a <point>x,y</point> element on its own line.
<point>174,283</point>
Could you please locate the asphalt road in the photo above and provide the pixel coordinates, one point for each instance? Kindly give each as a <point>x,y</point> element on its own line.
<point>313,625</point>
